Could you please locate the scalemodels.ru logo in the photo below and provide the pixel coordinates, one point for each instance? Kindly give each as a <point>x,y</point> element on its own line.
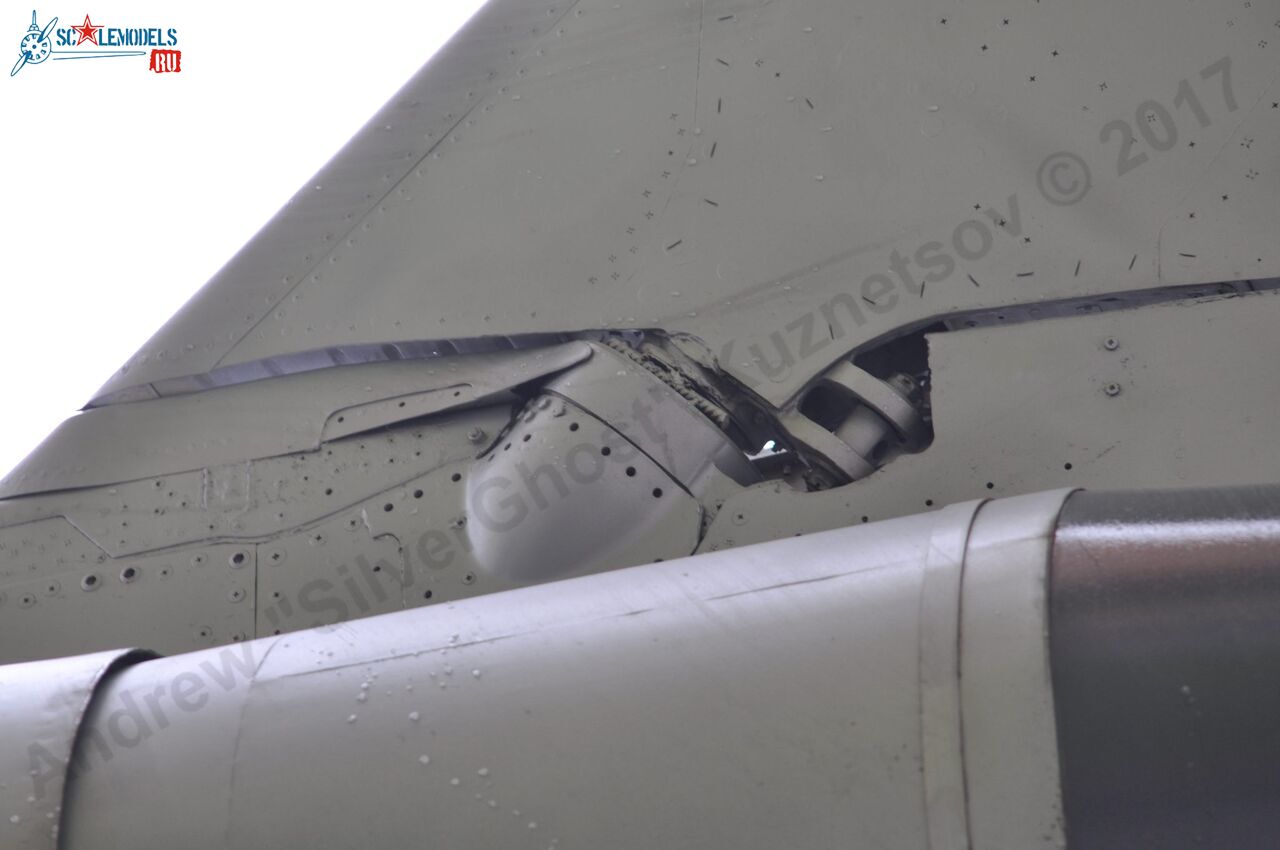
<point>87,40</point>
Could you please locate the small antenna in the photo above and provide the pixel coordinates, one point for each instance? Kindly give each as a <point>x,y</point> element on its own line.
<point>34,26</point>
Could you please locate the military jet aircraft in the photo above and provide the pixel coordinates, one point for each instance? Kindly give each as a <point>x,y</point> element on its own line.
<point>736,423</point>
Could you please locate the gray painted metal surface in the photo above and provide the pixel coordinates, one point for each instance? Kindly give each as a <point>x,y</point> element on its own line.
<point>1013,407</point>
<point>268,418</point>
<point>42,708</point>
<point>1025,406</point>
<point>613,284</point>
<point>850,283</point>
<point>768,695</point>
<point>750,172</point>
<point>901,684</point>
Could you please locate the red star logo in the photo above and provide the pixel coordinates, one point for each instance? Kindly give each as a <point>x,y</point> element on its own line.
<point>87,32</point>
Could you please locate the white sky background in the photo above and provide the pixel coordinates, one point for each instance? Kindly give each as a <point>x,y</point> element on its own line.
<point>124,190</point>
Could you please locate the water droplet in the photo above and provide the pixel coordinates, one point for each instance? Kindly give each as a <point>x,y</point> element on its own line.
<point>424,759</point>
<point>414,716</point>
<point>455,781</point>
<point>364,686</point>
<point>475,674</point>
<point>351,719</point>
<point>361,697</point>
<point>691,161</point>
<point>484,771</point>
<point>533,824</point>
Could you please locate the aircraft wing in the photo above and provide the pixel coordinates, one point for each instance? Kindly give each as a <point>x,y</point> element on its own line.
<point>763,177</point>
